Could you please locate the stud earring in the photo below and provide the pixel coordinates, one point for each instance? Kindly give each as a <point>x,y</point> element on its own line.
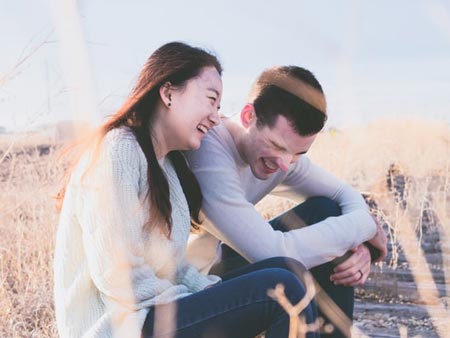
<point>169,104</point>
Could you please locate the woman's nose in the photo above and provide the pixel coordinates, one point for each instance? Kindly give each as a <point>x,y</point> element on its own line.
<point>214,118</point>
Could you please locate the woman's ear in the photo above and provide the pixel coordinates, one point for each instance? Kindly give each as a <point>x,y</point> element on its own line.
<point>165,92</point>
<point>248,115</point>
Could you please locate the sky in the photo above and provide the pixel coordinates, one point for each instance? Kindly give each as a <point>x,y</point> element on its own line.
<point>63,60</point>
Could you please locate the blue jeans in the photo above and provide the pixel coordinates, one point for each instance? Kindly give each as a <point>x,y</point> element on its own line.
<point>313,210</point>
<point>239,307</point>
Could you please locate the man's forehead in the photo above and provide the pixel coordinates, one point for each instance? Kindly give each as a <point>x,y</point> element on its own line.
<point>284,134</point>
<point>281,124</point>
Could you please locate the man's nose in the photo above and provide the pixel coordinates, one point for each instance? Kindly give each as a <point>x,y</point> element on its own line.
<point>283,162</point>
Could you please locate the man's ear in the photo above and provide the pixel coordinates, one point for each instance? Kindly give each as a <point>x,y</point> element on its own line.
<point>165,92</point>
<point>248,115</point>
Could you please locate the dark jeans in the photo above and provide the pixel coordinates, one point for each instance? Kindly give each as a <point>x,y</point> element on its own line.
<point>237,307</point>
<point>311,211</point>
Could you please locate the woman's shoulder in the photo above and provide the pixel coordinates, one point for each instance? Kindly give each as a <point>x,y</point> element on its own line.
<point>120,143</point>
<point>121,137</point>
<point>120,134</point>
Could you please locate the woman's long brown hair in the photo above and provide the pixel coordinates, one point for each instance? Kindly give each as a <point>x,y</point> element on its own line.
<point>176,63</point>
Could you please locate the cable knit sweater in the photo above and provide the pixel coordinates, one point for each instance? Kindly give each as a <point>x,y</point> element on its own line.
<point>108,271</point>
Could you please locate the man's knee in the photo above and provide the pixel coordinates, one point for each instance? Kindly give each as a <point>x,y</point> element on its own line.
<point>313,210</point>
<point>294,288</point>
<point>326,206</point>
<point>287,263</point>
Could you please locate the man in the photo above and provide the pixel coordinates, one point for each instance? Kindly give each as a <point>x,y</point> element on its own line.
<point>240,162</point>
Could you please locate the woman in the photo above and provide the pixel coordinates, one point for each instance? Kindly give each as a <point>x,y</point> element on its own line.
<point>126,215</point>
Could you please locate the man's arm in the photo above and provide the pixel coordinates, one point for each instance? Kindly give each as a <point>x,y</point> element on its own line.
<point>311,183</point>
<point>235,221</point>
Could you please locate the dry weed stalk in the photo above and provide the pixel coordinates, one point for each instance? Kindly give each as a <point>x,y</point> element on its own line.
<point>426,287</point>
<point>405,213</point>
<point>297,324</point>
<point>298,328</point>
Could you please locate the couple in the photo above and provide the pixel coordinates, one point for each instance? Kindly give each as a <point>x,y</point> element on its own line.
<point>120,261</point>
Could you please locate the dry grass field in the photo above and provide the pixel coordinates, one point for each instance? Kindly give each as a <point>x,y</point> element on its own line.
<point>402,166</point>
<point>28,176</point>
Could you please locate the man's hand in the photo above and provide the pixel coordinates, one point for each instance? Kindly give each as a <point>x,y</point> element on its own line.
<point>379,242</point>
<point>355,269</point>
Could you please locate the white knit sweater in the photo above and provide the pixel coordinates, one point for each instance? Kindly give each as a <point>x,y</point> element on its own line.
<point>108,271</point>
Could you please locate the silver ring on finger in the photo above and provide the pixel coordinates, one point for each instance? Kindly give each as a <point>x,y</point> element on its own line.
<point>361,275</point>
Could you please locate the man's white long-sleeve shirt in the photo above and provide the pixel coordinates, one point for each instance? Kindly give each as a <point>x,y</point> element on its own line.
<point>230,191</point>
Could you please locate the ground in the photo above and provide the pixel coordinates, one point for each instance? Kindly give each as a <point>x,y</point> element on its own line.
<point>402,168</point>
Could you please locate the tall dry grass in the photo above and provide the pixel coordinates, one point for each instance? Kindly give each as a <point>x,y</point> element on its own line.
<point>403,168</point>
<point>402,165</point>
<point>361,156</point>
<point>28,176</point>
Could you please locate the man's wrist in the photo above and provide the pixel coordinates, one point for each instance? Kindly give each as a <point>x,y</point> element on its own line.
<point>339,260</point>
<point>374,252</point>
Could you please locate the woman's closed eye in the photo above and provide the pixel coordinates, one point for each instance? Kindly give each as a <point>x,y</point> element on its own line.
<point>213,101</point>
